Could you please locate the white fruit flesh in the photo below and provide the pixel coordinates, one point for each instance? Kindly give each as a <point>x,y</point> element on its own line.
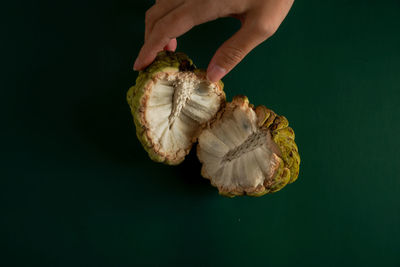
<point>177,104</point>
<point>237,155</point>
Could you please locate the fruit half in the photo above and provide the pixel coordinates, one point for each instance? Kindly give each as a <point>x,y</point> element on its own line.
<point>170,103</point>
<point>247,150</point>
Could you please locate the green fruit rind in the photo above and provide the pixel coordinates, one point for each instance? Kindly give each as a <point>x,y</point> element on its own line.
<point>284,136</point>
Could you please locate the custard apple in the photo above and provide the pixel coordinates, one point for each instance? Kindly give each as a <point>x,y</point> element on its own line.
<point>170,103</point>
<point>247,150</point>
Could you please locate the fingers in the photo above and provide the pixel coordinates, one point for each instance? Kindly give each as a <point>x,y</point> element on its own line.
<point>234,50</point>
<point>168,19</point>
<point>172,25</point>
<point>158,11</point>
<point>258,26</point>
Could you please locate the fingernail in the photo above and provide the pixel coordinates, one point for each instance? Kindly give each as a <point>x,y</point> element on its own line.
<point>215,73</point>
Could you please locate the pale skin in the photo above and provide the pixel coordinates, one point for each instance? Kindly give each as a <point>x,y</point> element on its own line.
<point>168,19</point>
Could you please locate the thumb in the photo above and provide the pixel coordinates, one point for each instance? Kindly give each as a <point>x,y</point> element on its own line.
<point>233,51</point>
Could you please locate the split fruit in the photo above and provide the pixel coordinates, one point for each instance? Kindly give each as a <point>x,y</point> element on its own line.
<point>244,150</point>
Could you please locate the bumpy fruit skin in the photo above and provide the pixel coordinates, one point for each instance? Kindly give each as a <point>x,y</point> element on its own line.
<point>165,61</point>
<point>283,136</point>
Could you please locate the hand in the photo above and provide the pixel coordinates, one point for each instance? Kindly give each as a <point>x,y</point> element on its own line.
<point>169,19</point>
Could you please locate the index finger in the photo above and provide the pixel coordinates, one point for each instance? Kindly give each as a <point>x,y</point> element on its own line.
<point>171,26</point>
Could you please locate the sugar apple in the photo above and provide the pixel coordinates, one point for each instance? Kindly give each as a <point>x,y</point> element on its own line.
<point>170,103</point>
<point>247,150</point>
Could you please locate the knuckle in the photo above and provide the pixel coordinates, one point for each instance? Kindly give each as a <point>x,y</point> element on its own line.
<point>160,28</point>
<point>177,17</point>
<point>176,20</point>
<point>231,55</point>
<point>173,18</point>
<point>264,29</point>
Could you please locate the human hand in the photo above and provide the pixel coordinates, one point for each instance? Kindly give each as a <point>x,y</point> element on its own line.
<point>169,19</point>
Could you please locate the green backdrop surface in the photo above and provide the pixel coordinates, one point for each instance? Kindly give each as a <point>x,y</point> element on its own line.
<point>77,189</point>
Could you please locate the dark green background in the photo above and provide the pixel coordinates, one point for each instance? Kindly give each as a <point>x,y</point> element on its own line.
<point>78,189</point>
